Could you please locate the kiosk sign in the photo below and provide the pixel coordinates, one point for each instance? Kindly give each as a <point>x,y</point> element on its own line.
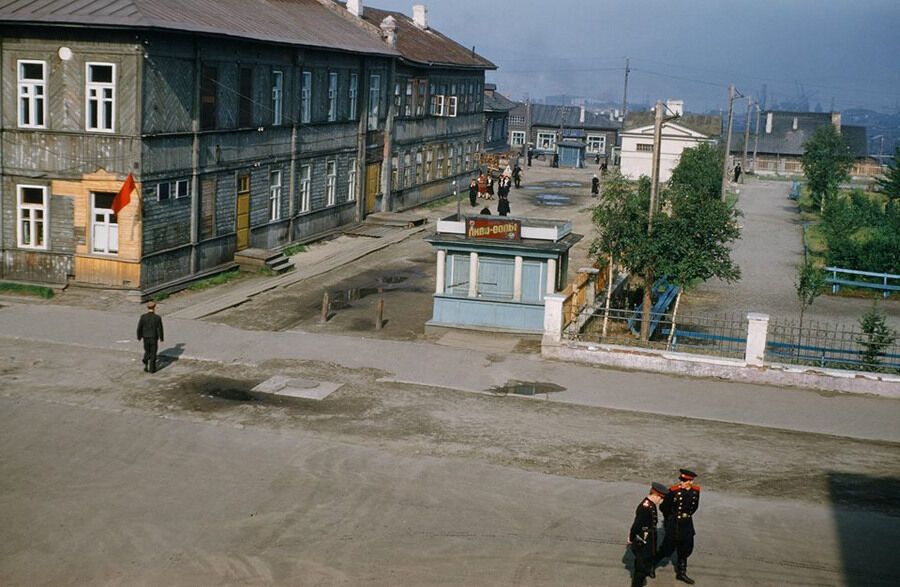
<point>489,228</point>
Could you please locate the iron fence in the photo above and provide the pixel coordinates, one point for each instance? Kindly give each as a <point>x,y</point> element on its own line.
<point>834,346</point>
<point>723,335</point>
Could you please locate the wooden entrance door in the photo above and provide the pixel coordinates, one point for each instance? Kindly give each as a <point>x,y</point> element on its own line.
<point>242,215</point>
<point>373,185</point>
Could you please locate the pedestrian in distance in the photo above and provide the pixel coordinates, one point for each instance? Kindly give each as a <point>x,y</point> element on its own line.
<point>482,186</point>
<point>517,176</point>
<point>678,508</point>
<point>485,211</point>
<point>503,195</point>
<point>530,155</point>
<point>595,186</point>
<point>737,171</point>
<point>642,536</point>
<point>490,187</point>
<point>150,331</point>
<point>473,192</point>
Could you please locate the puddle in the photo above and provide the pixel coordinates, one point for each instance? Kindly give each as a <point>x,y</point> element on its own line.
<point>553,200</point>
<point>344,298</point>
<point>561,184</point>
<point>528,388</point>
<point>233,390</point>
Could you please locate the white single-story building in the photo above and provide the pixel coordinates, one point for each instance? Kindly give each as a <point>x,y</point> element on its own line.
<point>682,133</point>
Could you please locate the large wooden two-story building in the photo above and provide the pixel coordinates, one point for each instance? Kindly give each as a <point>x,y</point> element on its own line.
<point>244,123</point>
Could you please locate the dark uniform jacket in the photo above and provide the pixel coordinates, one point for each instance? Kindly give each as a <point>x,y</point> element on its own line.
<point>643,531</point>
<point>679,507</point>
<point>150,327</point>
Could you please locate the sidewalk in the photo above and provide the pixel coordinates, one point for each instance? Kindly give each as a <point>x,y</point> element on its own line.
<point>862,417</point>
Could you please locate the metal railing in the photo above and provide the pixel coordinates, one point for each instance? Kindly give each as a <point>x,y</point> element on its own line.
<point>722,336</point>
<point>834,346</point>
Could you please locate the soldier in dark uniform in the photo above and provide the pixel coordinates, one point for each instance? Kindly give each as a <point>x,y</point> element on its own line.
<point>642,536</point>
<point>150,330</point>
<point>678,508</point>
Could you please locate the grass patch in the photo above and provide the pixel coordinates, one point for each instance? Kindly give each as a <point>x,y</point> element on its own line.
<point>815,238</point>
<point>293,250</point>
<point>214,280</point>
<point>731,199</point>
<point>27,290</point>
<point>161,297</point>
<point>440,202</point>
<point>266,272</point>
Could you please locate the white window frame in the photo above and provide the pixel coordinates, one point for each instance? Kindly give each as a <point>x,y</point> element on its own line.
<point>354,94</point>
<point>452,106</point>
<point>277,97</point>
<point>330,183</point>
<point>644,147</point>
<point>546,140</point>
<point>439,101</point>
<point>374,111</point>
<point>305,187</point>
<point>440,163</point>
<point>407,169</point>
<point>429,165</point>
<point>174,190</point>
<point>596,144</point>
<point>332,96</point>
<point>275,195</point>
<point>305,97</point>
<point>351,181</point>
<point>517,137</point>
<point>111,238</point>
<point>32,95</point>
<point>98,91</point>
<point>27,213</point>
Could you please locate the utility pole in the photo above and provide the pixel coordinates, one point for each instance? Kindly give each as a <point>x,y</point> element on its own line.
<point>731,95</point>
<point>625,93</point>
<point>746,136</point>
<point>654,195</point>
<point>756,140</point>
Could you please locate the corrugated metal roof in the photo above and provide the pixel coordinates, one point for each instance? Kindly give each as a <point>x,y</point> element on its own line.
<point>427,46</point>
<point>494,101</point>
<point>549,115</point>
<point>295,22</point>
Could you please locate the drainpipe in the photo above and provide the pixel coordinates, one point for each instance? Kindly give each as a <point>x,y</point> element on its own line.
<point>195,160</point>
<point>292,182</point>
<point>361,141</point>
<point>386,200</point>
<point>2,171</point>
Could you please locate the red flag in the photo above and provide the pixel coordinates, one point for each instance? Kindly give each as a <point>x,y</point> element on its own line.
<point>124,196</point>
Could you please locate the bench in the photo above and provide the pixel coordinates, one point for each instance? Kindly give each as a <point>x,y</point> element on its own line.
<point>836,282</point>
<point>665,295</point>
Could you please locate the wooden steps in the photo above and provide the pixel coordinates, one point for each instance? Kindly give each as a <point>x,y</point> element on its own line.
<point>396,219</point>
<point>254,259</point>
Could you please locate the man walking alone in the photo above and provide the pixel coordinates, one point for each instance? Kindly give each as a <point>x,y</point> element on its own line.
<point>150,330</point>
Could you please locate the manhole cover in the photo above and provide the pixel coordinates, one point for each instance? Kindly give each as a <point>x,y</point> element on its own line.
<point>282,386</point>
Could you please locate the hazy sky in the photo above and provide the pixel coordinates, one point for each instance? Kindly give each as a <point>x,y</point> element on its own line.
<point>845,50</point>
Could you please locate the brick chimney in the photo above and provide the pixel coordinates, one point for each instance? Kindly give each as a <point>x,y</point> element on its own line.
<point>581,117</point>
<point>836,121</point>
<point>355,7</point>
<point>420,16</point>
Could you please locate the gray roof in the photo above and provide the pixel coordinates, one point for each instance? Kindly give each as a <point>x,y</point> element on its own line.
<point>570,116</point>
<point>306,23</point>
<point>494,101</point>
<point>785,140</point>
<point>706,124</point>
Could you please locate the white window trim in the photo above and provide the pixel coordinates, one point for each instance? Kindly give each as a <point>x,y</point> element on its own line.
<point>601,144</point>
<point>43,207</point>
<point>277,97</point>
<point>452,106</point>
<point>26,90</point>
<point>354,95</point>
<point>546,137</point>
<point>305,97</point>
<point>351,181</point>
<point>374,110</point>
<point>107,212</point>
<point>275,195</point>
<point>439,104</point>
<point>332,96</point>
<point>173,187</point>
<point>305,187</point>
<point>330,183</point>
<point>88,85</point>
<point>517,137</point>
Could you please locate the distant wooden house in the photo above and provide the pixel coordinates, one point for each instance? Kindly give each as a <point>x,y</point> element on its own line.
<point>782,135</point>
<point>685,132</point>
<point>541,126</point>
<point>245,125</point>
<point>496,120</point>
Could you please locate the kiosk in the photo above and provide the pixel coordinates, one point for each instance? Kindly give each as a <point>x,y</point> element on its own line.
<point>493,271</point>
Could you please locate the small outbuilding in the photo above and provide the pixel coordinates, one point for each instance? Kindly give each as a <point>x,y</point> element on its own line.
<point>494,271</point>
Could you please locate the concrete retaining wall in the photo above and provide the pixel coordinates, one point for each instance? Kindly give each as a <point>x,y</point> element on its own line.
<point>623,357</point>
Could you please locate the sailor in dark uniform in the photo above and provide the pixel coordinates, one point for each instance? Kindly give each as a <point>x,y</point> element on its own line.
<point>642,536</point>
<point>678,508</point>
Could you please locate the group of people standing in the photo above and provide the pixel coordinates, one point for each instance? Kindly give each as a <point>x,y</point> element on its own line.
<point>678,505</point>
<point>483,187</point>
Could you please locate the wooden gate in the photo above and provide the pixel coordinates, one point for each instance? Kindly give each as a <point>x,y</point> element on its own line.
<point>242,215</point>
<point>373,185</point>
